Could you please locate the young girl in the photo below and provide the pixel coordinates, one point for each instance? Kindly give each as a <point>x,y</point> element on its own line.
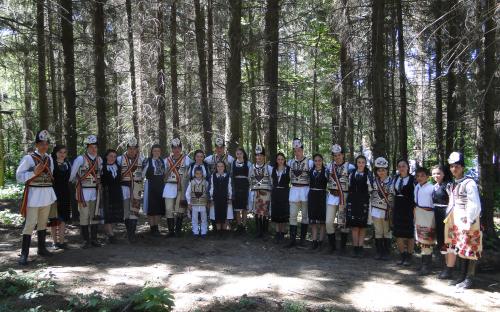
<point>316,201</point>
<point>221,194</point>
<point>404,204</point>
<point>61,173</point>
<point>197,198</point>
<point>153,169</point>
<point>280,212</point>
<point>199,162</point>
<point>381,200</point>
<point>111,194</point>
<point>260,185</point>
<point>357,204</point>
<point>441,175</point>
<point>239,174</point>
<point>424,218</point>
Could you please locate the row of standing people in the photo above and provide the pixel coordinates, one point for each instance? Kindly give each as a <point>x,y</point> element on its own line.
<point>332,198</point>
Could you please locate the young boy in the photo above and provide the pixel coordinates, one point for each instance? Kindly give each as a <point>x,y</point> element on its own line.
<point>425,226</point>
<point>197,199</point>
<point>35,171</point>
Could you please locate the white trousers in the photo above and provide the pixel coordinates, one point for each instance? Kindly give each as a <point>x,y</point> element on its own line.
<point>295,207</point>
<point>199,212</point>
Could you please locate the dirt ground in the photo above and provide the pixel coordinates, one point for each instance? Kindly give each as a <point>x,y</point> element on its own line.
<point>241,273</point>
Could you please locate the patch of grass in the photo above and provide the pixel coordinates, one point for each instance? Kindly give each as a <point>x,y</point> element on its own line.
<point>11,191</point>
<point>95,301</point>
<point>10,218</point>
<point>153,299</point>
<point>26,286</point>
<point>294,306</point>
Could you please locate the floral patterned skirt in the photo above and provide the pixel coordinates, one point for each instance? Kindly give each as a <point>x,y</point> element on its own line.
<point>467,244</point>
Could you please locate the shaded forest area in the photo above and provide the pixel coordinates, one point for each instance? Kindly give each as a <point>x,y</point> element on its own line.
<point>414,79</point>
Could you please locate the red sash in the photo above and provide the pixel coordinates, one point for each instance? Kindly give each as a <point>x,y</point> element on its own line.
<point>172,167</point>
<point>46,168</point>
<point>337,181</point>
<point>79,189</point>
<point>130,168</point>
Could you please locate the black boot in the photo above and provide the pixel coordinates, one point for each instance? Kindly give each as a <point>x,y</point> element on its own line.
<point>446,273</point>
<point>332,241</point>
<point>425,269</point>
<point>86,236</point>
<point>468,282</point>
<point>303,234</point>
<point>386,250</point>
<point>293,236</point>
<point>132,224</point>
<point>462,271</point>
<point>178,225</point>
<point>265,226</point>
<point>258,227</point>
<point>42,250</point>
<point>408,259</point>
<point>93,236</point>
<point>171,228</point>
<point>402,258</point>
<point>355,251</point>
<point>379,247</point>
<point>320,245</point>
<point>25,250</point>
<point>361,251</point>
<point>343,241</point>
<point>153,230</point>
<point>315,245</point>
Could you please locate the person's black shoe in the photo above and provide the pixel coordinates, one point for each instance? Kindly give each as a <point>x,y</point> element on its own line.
<point>42,249</point>
<point>343,241</point>
<point>408,259</point>
<point>425,268</point>
<point>446,273</point>
<point>314,245</point>
<point>112,239</point>
<point>303,234</point>
<point>293,237</point>
<point>25,250</point>
<point>332,241</point>
<point>171,227</point>
<point>386,249</point>
<point>402,258</point>
<point>378,246</point>
<point>93,236</point>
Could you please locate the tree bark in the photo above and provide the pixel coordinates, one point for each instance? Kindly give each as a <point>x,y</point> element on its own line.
<point>451,105</point>
<point>233,77</point>
<point>173,69</point>
<point>43,109</point>
<point>488,104</point>
<point>438,86</point>
<point>271,38</point>
<point>131,56</point>
<point>160,82</point>
<point>403,132</point>
<point>210,57</point>
<point>28,121</point>
<point>378,76</point>
<point>314,119</point>
<point>66,12</point>
<point>99,74</point>
<point>52,74</point>
<point>202,73</point>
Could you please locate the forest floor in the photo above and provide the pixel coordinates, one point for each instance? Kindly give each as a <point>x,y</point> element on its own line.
<point>241,273</point>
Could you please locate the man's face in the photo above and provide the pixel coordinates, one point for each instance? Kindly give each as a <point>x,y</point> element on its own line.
<point>176,150</point>
<point>338,158</point>
<point>92,149</point>
<point>219,150</point>
<point>132,151</point>
<point>298,152</point>
<point>421,178</point>
<point>42,147</point>
<point>457,170</point>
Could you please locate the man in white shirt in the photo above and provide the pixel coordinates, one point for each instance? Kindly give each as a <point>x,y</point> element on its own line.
<point>85,172</point>
<point>425,226</point>
<point>177,179</point>
<point>35,171</point>
<point>132,186</point>
<point>299,177</point>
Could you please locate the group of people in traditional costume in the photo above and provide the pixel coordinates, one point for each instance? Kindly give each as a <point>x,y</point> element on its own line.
<point>332,197</point>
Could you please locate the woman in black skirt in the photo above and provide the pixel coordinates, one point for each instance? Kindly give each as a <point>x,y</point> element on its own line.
<point>358,204</point>
<point>61,173</point>
<point>280,206</point>
<point>316,201</point>
<point>154,204</point>
<point>111,194</point>
<point>241,184</point>
<point>404,204</point>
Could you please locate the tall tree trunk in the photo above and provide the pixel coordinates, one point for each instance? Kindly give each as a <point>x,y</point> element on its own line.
<point>403,132</point>
<point>160,82</point>
<point>173,69</point>
<point>66,11</point>
<point>314,119</point>
<point>451,105</point>
<point>233,76</point>
<point>52,71</point>
<point>210,57</point>
<point>131,56</point>
<point>438,86</point>
<point>378,76</point>
<point>2,149</point>
<point>43,109</point>
<point>99,74</point>
<point>251,72</point>
<point>202,72</point>
<point>28,121</point>
<point>488,105</point>
<point>271,38</point>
